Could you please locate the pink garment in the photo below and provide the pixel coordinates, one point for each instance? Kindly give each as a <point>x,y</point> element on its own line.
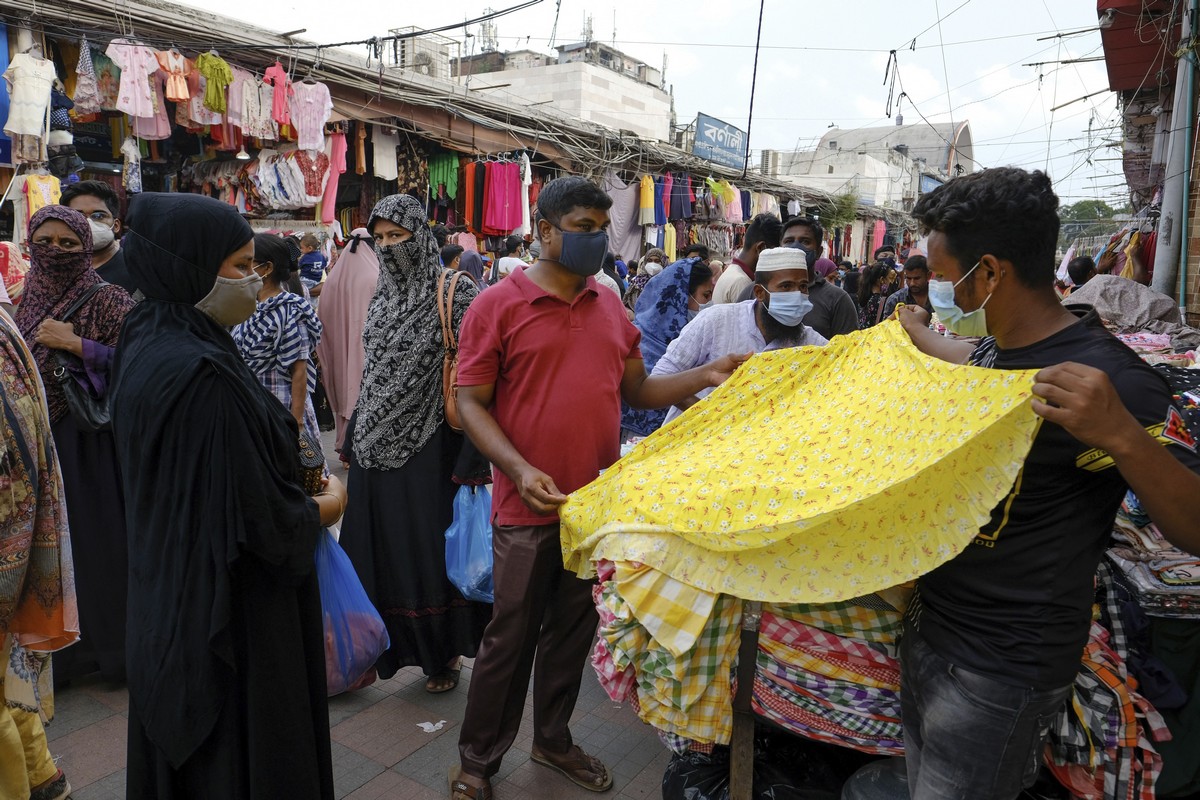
<point>343,311</point>
<point>668,183</point>
<point>337,166</point>
<point>502,206</point>
<point>309,108</point>
<point>466,240</point>
<point>877,235</point>
<point>137,64</point>
<point>156,127</point>
<point>277,76</point>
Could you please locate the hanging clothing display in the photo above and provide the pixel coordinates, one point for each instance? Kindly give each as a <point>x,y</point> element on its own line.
<point>385,143</point>
<point>87,93</point>
<point>804,519</point>
<point>278,78</point>
<point>257,122</point>
<point>157,126</point>
<point>646,201</point>
<point>235,105</point>
<point>137,63</point>
<point>309,109</point>
<point>526,182</point>
<point>131,176</point>
<point>502,208</point>
<point>176,67</point>
<point>29,82</point>
<point>218,76</point>
<point>314,167</point>
<point>624,230</point>
<point>337,168</point>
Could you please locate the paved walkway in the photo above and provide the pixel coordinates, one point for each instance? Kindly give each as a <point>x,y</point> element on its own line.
<point>379,749</point>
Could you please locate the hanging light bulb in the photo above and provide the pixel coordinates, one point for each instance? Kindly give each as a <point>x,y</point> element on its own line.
<point>242,155</point>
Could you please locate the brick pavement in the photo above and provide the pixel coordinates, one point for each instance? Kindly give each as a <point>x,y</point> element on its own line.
<point>379,749</point>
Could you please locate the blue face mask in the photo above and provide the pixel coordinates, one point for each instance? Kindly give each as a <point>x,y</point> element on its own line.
<point>583,253</point>
<point>941,297</point>
<point>789,308</point>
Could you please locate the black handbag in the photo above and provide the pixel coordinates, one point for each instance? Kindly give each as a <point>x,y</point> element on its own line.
<point>312,464</point>
<point>91,414</point>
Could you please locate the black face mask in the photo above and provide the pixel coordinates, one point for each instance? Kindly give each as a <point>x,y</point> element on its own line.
<point>583,253</point>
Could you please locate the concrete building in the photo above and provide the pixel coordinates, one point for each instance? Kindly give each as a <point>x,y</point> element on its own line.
<point>887,166</point>
<point>587,80</point>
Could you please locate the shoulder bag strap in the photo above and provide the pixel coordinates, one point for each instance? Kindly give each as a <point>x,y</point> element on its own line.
<point>441,307</point>
<point>446,309</point>
<point>82,301</point>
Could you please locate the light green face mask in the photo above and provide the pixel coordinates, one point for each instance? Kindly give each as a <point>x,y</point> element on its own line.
<point>971,324</point>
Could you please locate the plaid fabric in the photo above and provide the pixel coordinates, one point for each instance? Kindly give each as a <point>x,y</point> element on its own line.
<point>673,612</point>
<point>1100,746</point>
<point>846,619</point>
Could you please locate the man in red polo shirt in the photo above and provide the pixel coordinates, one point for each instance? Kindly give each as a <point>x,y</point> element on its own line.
<point>545,358</point>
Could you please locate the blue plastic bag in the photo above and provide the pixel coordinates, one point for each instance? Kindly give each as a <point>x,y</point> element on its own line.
<point>469,544</point>
<point>355,636</point>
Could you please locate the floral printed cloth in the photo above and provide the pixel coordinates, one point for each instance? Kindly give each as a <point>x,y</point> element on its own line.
<point>759,492</point>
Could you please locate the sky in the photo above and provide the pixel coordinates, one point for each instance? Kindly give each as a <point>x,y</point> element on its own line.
<point>821,63</point>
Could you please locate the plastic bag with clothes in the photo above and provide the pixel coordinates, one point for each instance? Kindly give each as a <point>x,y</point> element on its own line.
<point>355,635</point>
<point>469,544</point>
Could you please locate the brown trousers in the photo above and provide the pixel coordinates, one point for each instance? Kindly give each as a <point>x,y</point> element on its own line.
<point>543,620</point>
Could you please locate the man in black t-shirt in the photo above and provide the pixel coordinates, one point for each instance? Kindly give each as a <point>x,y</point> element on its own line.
<point>994,637</point>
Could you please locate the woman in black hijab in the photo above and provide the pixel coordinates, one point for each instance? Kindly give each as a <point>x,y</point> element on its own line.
<point>226,664</point>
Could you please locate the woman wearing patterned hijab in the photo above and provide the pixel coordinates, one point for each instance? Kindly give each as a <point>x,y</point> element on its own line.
<point>402,456</point>
<point>60,246</point>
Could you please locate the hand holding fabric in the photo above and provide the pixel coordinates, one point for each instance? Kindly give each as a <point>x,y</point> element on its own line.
<point>1083,400</point>
<point>912,318</point>
<point>720,370</point>
<point>59,336</point>
<point>538,490</point>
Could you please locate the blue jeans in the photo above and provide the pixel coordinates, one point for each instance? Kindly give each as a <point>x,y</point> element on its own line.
<point>967,736</point>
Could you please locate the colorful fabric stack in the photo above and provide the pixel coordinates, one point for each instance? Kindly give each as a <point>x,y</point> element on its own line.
<point>1100,746</point>
<point>827,672</point>
<point>830,673</point>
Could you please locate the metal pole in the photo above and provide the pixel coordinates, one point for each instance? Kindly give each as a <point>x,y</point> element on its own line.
<point>1172,225</point>
<point>753,80</point>
<point>1190,58</point>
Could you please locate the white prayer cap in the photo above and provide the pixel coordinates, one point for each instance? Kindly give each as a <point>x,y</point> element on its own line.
<point>779,258</point>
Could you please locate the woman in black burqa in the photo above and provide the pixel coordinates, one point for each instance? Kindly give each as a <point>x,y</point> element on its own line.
<point>227,680</point>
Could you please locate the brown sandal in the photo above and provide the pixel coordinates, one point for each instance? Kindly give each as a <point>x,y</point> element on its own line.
<point>460,790</point>
<point>586,772</point>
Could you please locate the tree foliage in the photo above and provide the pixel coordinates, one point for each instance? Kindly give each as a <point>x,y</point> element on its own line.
<point>1083,219</point>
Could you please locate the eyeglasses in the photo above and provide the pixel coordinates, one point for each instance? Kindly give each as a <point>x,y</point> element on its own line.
<point>103,217</point>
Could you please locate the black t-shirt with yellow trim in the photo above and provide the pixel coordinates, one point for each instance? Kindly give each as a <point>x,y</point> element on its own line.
<point>1016,604</point>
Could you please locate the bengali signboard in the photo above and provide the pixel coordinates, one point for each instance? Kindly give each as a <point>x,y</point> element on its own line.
<point>719,142</point>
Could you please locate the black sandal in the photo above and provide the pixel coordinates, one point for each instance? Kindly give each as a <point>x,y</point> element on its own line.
<point>451,674</point>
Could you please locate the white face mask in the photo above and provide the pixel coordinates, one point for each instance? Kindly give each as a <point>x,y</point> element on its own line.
<point>232,300</point>
<point>102,235</point>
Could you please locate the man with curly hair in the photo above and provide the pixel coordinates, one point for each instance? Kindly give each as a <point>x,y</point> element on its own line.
<point>993,637</point>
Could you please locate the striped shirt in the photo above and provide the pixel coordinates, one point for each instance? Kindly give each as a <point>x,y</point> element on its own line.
<point>283,330</point>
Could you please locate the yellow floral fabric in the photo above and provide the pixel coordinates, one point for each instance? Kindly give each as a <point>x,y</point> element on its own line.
<point>814,474</point>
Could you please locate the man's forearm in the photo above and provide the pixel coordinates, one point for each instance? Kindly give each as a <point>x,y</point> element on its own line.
<point>934,344</point>
<point>1167,490</point>
<point>663,391</point>
<point>485,433</point>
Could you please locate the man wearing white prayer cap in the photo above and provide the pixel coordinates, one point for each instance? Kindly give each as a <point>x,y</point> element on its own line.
<point>769,321</point>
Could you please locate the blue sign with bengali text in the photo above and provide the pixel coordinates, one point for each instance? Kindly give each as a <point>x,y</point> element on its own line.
<point>719,142</point>
<point>929,183</point>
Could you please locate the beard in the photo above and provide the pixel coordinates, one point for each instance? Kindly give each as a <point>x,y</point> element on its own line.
<point>773,328</point>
